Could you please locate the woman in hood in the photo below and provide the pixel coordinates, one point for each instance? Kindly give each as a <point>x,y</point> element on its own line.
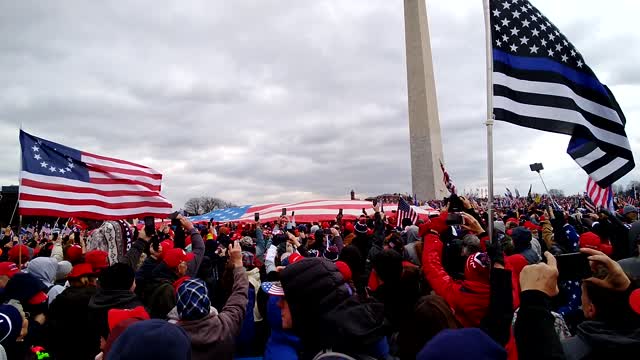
<point>45,270</point>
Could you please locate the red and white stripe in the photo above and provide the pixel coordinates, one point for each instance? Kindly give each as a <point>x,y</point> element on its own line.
<point>117,189</point>
<point>308,211</point>
<point>598,195</point>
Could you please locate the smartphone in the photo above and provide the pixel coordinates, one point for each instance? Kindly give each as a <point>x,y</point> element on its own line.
<point>327,231</point>
<point>375,202</point>
<point>340,212</point>
<point>293,213</point>
<point>256,216</point>
<point>455,219</point>
<point>573,266</point>
<point>149,225</point>
<point>284,211</point>
<point>455,204</point>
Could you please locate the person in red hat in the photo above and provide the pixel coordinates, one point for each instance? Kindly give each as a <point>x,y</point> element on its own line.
<point>20,254</point>
<point>469,299</point>
<point>68,316</point>
<point>593,241</point>
<point>98,259</point>
<point>159,294</point>
<point>7,270</point>
<point>73,254</point>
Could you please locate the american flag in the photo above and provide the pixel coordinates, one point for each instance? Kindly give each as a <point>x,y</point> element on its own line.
<point>406,211</point>
<point>541,81</point>
<point>508,194</point>
<point>305,211</point>
<point>447,179</point>
<point>273,288</point>
<point>60,181</point>
<point>602,198</point>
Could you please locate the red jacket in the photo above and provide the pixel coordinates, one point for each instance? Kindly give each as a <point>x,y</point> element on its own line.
<point>469,300</point>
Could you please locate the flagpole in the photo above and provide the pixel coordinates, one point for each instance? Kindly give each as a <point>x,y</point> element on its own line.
<point>489,121</point>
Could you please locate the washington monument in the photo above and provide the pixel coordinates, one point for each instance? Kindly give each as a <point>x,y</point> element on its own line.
<point>424,125</point>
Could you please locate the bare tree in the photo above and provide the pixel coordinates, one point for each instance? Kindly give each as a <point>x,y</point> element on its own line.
<point>556,193</point>
<point>205,204</point>
<point>193,206</point>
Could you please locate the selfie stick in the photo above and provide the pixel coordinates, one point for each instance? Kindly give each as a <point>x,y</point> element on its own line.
<point>545,188</point>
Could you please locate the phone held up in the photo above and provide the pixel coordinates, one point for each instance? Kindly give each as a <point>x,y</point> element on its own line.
<point>455,218</point>
<point>573,266</point>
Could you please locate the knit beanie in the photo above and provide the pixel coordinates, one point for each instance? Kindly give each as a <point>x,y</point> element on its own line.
<point>521,238</point>
<point>361,228</point>
<point>471,343</point>
<point>478,268</point>
<point>152,339</point>
<point>23,287</point>
<point>118,276</point>
<point>193,300</point>
<point>10,324</point>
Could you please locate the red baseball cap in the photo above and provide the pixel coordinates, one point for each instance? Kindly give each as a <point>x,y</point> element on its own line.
<point>80,270</point>
<point>20,251</point>
<point>74,253</point>
<point>634,301</point>
<point>8,268</point>
<point>166,246</point>
<point>115,316</point>
<point>294,258</point>
<point>38,298</point>
<point>98,259</point>
<point>174,257</point>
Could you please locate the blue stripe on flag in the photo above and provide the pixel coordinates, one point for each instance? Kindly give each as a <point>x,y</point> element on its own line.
<point>544,64</point>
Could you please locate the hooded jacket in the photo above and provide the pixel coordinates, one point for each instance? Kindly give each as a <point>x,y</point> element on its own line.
<point>468,299</point>
<point>596,340</point>
<point>159,294</point>
<point>325,314</point>
<point>45,270</point>
<point>67,324</point>
<point>100,304</point>
<point>212,337</point>
<point>410,234</point>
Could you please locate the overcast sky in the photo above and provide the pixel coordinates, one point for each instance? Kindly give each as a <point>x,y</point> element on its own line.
<point>264,101</point>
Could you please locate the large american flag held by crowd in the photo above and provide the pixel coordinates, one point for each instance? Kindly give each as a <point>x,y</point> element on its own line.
<point>60,181</point>
<point>305,211</point>
<point>541,81</point>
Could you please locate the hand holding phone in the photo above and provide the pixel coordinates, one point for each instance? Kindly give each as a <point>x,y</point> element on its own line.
<point>573,266</point>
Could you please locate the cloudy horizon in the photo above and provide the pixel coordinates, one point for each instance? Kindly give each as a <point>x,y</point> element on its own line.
<point>280,101</point>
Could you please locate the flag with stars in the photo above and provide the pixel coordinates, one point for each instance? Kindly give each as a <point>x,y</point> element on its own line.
<point>59,181</point>
<point>541,81</point>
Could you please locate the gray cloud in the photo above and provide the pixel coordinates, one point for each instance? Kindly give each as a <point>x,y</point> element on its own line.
<point>278,100</point>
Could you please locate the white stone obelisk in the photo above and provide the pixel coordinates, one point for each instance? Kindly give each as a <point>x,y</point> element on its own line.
<point>424,125</point>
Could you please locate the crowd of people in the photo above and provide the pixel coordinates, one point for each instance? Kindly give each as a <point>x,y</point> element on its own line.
<point>363,289</point>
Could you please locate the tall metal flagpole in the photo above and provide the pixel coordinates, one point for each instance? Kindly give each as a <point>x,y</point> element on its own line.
<point>489,121</point>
